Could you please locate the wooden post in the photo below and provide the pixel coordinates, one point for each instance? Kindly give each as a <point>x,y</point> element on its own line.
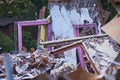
<point>80,52</point>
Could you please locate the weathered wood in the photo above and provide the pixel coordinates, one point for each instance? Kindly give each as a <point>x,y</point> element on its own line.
<point>60,42</point>
<point>28,23</point>
<point>67,47</point>
<point>90,60</point>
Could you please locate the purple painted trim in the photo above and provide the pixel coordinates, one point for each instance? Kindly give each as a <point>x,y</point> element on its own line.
<point>93,25</point>
<point>76,32</point>
<point>49,35</point>
<point>49,32</point>
<point>28,23</point>
<point>97,32</point>
<point>80,55</point>
<point>80,51</point>
<point>19,38</point>
<point>34,22</point>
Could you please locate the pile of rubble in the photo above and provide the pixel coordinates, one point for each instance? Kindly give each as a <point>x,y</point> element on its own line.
<point>100,53</point>
<point>29,66</point>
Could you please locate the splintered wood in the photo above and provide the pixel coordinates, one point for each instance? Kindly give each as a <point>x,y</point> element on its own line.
<point>31,66</point>
<point>101,51</point>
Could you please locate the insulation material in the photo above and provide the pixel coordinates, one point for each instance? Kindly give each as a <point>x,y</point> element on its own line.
<point>113,28</point>
<point>102,52</point>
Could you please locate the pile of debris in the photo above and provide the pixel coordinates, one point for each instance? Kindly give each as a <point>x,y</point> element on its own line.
<point>29,66</point>
<point>100,52</point>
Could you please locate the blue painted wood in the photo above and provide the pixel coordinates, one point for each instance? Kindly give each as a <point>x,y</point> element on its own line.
<point>8,68</point>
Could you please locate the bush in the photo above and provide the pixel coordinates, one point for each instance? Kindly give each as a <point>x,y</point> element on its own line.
<point>109,7</point>
<point>6,43</point>
<point>28,41</point>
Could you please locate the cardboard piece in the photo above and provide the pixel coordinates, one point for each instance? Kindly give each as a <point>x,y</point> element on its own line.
<point>113,28</point>
<point>80,74</point>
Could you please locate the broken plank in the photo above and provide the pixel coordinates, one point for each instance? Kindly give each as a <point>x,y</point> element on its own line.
<point>67,47</point>
<point>58,42</point>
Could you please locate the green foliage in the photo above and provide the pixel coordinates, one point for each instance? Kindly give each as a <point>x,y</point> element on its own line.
<point>24,9</point>
<point>109,7</point>
<point>28,41</point>
<point>17,8</point>
<point>38,5</point>
<point>6,43</point>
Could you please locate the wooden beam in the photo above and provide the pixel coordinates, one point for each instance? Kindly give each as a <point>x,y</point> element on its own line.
<point>89,58</point>
<point>67,41</point>
<point>67,47</point>
<point>34,22</point>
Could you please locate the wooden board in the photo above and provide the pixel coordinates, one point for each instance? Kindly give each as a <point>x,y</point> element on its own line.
<point>113,28</point>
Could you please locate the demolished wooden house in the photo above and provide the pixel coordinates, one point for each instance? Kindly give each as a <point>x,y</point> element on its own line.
<point>80,52</point>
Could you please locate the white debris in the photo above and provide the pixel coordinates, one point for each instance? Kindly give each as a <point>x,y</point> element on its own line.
<point>56,21</point>
<point>101,52</point>
<point>18,69</point>
<point>99,27</point>
<point>63,29</point>
<point>75,17</point>
<point>85,16</point>
<point>28,76</point>
<point>67,30</point>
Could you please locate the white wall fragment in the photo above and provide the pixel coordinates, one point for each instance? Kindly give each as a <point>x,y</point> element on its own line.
<point>85,15</point>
